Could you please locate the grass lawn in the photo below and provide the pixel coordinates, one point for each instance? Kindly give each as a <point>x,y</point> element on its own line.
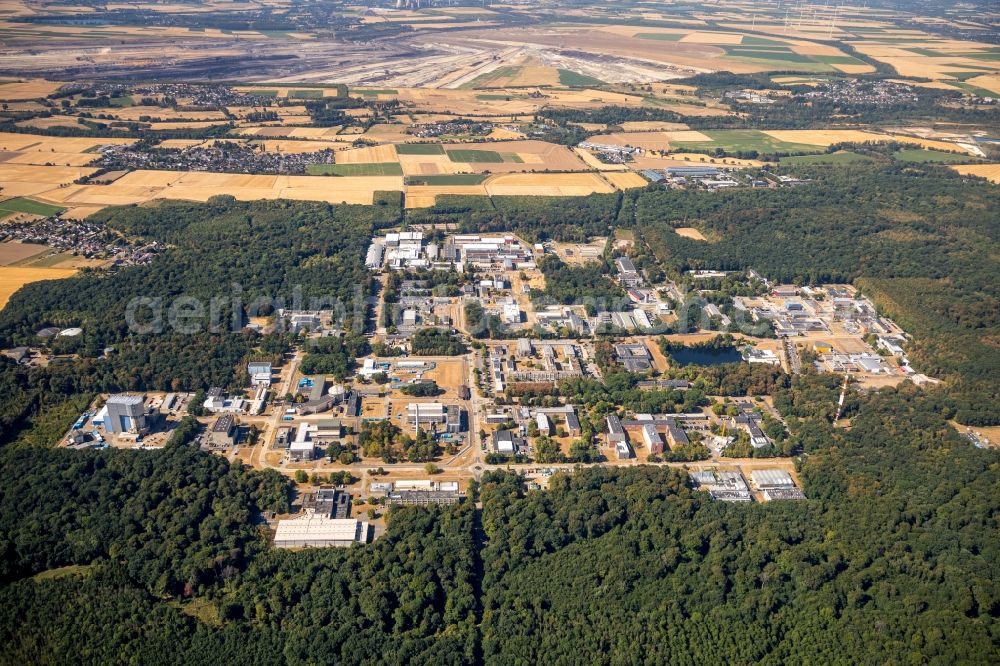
<point>22,205</point>
<point>122,101</point>
<point>263,93</point>
<point>63,572</point>
<point>969,88</point>
<point>924,156</point>
<point>367,169</point>
<point>490,78</point>
<point>839,157</point>
<point>447,179</point>
<point>568,77</point>
<point>419,149</point>
<point>494,98</point>
<point>305,94</point>
<point>662,36</point>
<point>745,140</point>
<point>475,156</point>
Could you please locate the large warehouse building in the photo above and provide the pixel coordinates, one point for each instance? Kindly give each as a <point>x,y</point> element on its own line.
<point>319,531</point>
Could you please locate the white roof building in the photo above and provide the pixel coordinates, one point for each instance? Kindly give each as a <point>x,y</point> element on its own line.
<point>313,530</point>
<point>772,478</point>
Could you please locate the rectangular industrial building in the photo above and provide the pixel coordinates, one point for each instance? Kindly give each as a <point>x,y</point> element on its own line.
<point>221,434</point>
<point>421,497</point>
<point>772,478</point>
<point>318,531</point>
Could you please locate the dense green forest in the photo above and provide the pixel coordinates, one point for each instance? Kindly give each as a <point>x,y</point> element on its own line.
<point>893,559</point>
<point>890,562</point>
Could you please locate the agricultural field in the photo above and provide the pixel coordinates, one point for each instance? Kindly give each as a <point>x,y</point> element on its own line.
<point>360,169</point>
<point>13,278</point>
<point>990,172</point>
<point>839,157</point>
<point>29,206</point>
<point>12,253</point>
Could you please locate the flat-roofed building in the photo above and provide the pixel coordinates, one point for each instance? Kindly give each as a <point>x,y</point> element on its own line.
<point>260,373</point>
<point>623,451</point>
<point>772,478</point>
<point>223,431</point>
<point>652,438</point>
<point>319,531</point>
<point>421,497</point>
<point>616,433</point>
<point>543,423</point>
<point>676,435</point>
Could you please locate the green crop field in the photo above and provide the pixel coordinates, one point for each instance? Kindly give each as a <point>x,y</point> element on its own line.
<point>745,140</point>
<point>367,169</point>
<point>475,156</point>
<point>374,92</point>
<point>924,156</point>
<point>661,36</point>
<point>122,101</point>
<point>305,94</point>
<point>22,205</point>
<point>839,157</point>
<point>447,179</point>
<point>568,77</point>
<point>419,149</point>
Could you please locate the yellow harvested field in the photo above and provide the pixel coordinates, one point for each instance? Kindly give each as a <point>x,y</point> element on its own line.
<point>990,172</point>
<point>80,212</point>
<point>141,186</point>
<point>853,69</point>
<point>429,165</point>
<point>180,143</point>
<point>689,232</point>
<point>423,196</point>
<point>727,38</point>
<point>990,82</point>
<point>13,278</point>
<point>31,89</point>
<point>827,137</point>
<point>644,140</point>
<point>26,180</point>
<point>47,144</point>
<point>501,134</point>
<point>135,112</point>
<point>547,184</point>
<point>625,180</point>
<point>651,126</point>
<point>368,155</point>
<point>58,159</point>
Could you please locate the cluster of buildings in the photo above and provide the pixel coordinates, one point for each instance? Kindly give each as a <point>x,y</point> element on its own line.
<point>91,240</point>
<point>407,250</point>
<point>534,362</point>
<point>325,522</point>
<point>416,492</point>
<point>221,157</point>
<point>731,486</point>
<point>451,127</point>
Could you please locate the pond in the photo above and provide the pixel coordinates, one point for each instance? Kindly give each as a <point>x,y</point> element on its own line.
<point>695,356</point>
